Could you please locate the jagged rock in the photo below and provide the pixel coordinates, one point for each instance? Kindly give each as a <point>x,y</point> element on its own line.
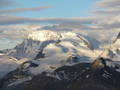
<point>82,76</point>
<point>118,51</point>
<point>86,43</point>
<point>25,45</point>
<point>118,37</point>
<point>72,59</point>
<point>98,77</point>
<point>40,55</point>
<point>71,72</point>
<point>20,75</point>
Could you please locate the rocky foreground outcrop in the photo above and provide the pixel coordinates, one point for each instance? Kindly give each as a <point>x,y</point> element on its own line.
<point>82,76</point>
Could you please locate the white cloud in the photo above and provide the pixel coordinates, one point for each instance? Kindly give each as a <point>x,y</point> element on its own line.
<point>4,3</point>
<point>21,32</point>
<point>9,20</point>
<point>24,9</point>
<point>106,7</point>
<point>109,10</point>
<point>108,18</point>
<point>34,26</point>
<point>16,32</point>
<point>71,25</point>
<point>107,4</point>
<point>113,11</point>
<point>110,22</point>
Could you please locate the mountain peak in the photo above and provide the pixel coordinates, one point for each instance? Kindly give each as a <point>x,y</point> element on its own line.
<point>42,35</point>
<point>99,64</point>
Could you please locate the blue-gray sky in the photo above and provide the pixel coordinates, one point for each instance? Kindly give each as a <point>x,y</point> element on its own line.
<point>49,8</point>
<point>47,12</point>
<point>19,17</point>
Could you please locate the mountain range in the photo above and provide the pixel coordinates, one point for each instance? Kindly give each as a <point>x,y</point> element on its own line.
<point>51,60</point>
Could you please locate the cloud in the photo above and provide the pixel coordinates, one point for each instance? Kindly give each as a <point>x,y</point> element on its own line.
<point>110,22</point>
<point>106,7</point>
<point>109,19</point>
<point>7,3</point>
<point>24,9</point>
<point>16,32</point>
<point>71,26</point>
<point>107,4</point>
<point>21,31</point>
<point>109,10</point>
<point>9,20</point>
<point>34,26</point>
<point>50,27</point>
<point>114,11</point>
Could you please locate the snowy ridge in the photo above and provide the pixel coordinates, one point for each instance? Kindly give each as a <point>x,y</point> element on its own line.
<point>113,52</point>
<point>43,36</point>
<point>66,41</point>
<point>60,49</point>
<point>37,41</point>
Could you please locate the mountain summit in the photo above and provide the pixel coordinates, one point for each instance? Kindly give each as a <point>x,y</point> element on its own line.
<point>49,60</point>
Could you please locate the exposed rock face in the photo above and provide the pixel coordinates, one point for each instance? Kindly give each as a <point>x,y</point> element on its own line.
<point>18,77</point>
<point>66,73</point>
<point>86,43</point>
<point>69,73</point>
<point>71,59</point>
<point>82,76</point>
<point>37,42</point>
<point>98,77</point>
<point>98,64</point>
<point>50,75</point>
<point>40,55</point>
<point>118,37</point>
<point>26,45</point>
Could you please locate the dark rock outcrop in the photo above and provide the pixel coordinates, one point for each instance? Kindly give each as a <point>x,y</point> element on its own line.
<point>82,76</point>
<point>21,73</point>
<point>98,77</point>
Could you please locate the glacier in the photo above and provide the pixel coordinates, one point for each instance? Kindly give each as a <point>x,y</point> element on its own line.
<point>45,51</point>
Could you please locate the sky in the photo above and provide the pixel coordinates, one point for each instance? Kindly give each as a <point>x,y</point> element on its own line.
<point>49,8</point>
<point>20,17</point>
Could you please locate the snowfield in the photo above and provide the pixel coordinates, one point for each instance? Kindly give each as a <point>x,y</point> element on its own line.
<point>60,48</point>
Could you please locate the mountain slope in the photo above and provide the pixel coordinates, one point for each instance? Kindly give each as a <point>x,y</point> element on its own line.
<point>97,77</point>
<point>53,47</point>
<point>50,60</point>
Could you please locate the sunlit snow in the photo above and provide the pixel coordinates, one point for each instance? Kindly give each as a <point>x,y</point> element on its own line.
<point>58,46</point>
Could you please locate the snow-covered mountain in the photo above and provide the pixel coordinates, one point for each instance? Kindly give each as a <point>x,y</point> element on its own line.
<point>82,76</point>
<point>39,40</point>
<point>113,52</point>
<point>47,51</point>
<point>52,44</point>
